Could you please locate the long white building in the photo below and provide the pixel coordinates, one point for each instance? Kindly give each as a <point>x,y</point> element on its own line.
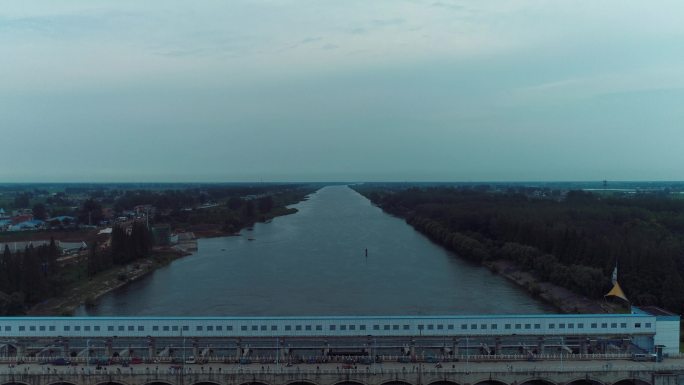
<point>646,328</point>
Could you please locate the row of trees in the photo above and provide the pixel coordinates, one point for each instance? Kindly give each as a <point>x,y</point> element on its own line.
<point>32,275</point>
<point>126,247</point>
<point>28,275</point>
<point>574,242</point>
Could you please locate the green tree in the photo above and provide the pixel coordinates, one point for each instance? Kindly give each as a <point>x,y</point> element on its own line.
<point>39,211</point>
<point>90,212</point>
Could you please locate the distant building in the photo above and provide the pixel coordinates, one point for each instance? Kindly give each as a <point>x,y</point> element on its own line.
<point>33,224</point>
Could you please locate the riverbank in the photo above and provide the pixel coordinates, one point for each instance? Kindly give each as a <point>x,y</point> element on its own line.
<point>561,298</point>
<point>87,292</point>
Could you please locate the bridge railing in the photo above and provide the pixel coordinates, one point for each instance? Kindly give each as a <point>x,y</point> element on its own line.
<point>335,359</point>
<point>365,371</point>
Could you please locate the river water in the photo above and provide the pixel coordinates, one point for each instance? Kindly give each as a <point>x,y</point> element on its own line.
<point>314,263</point>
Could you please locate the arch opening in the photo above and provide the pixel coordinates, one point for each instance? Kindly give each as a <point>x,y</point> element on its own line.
<point>631,381</point>
<point>585,381</point>
<point>444,383</point>
<point>490,382</point>
<point>537,381</point>
<point>396,383</point>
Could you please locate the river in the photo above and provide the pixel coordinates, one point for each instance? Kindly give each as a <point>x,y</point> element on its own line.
<point>314,263</point>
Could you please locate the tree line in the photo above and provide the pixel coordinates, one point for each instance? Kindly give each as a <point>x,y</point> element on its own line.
<point>32,275</point>
<point>28,276</point>
<point>574,242</point>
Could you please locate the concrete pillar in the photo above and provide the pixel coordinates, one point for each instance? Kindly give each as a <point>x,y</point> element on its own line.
<point>583,346</point>
<point>238,349</point>
<point>497,345</point>
<point>65,348</point>
<point>454,347</point>
<point>412,348</point>
<point>151,348</point>
<point>541,345</point>
<point>109,349</point>
<point>195,348</point>
<point>21,350</point>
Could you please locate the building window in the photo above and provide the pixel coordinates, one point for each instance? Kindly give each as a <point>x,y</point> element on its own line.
<point>623,325</point>
<point>256,328</point>
<point>198,328</point>
<point>561,326</point>
<point>648,324</point>
<point>431,326</point>
<point>9,328</point>
<point>517,326</point>
<point>406,327</point>
<point>594,325</point>
<point>141,328</point>
<point>421,327</point>
<point>343,327</point>
<point>229,327</point>
<point>308,327</point>
<point>186,328</point>
<point>86,328</point>
<point>121,328</point>
<point>318,327</point>
<point>332,327</point>
<point>473,326</point>
<point>32,328</point>
<point>244,328</point>
<point>155,328</point>
<point>52,328</point>
<point>219,328</point>
<point>22,328</point>
<point>494,326</point>
<point>110,328</point>
<point>275,328</point>
<point>571,326</point>
<point>210,328</point>
<point>464,327</point>
<point>66,328</point>
<point>362,327</point>
<point>376,327</point>
<point>77,328</point>
<point>507,326</point>
<point>528,326</point>
<point>166,328</point>
<point>42,328</point>
<point>173,328</point>
<point>96,328</point>
<point>552,326</point>
<point>352,327</point>
<point>604,325</point>
<point>298,327</point>
<point>131,328</point>
<point>613,325</point>
<point>580,326</point>
<point>537,326</point>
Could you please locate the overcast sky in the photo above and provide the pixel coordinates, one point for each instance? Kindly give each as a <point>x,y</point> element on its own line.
<point>249,90</point>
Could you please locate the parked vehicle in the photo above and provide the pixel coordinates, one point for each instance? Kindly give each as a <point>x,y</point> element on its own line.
<point>61,362</point>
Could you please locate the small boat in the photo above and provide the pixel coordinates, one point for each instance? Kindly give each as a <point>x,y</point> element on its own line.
<point>250,239</point>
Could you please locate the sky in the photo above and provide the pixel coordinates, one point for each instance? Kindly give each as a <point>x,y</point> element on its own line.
<point>353,90</point>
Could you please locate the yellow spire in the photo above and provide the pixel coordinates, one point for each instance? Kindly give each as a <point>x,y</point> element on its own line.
<point>616,291</point>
